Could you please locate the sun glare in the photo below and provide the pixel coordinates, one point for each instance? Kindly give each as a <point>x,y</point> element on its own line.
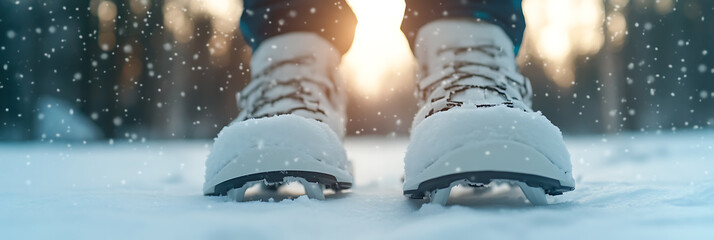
<point>559,31</point>
<point>380,55</point>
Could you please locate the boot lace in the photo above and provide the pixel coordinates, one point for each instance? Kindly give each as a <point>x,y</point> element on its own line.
<point>262,95</point>
<point>464,71</point>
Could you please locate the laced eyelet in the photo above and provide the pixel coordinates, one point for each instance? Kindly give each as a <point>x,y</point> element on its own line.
<point>264,91</point>
<point>461,74</point>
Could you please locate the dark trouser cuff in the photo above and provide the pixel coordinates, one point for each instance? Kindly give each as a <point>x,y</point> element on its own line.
<point>508,14</point>
<point>330,19</point>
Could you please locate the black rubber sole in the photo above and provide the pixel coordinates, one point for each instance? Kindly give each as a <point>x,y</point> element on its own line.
<point>277,177</point>
<point>549,185</point>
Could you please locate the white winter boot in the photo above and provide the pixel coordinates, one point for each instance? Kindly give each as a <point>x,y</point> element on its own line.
<point>475,123</point>
<point>291,123</point>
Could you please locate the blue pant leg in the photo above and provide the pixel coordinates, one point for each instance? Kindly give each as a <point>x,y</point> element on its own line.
<point>330,19</point>
<point>508,14</point>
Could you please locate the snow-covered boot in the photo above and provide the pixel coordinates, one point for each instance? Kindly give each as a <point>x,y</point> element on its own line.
<point>475,123</point>
<point>291,122</point>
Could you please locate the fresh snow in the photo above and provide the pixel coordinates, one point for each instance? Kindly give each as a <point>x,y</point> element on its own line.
<point>447,131</point>
<point>646,185</point>
<point>308,137</point>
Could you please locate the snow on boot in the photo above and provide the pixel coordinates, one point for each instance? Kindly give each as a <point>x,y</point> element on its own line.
<point>291,123</point>
<point>475,123</point>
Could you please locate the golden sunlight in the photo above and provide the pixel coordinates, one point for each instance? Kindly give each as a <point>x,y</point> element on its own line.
<point>380,55</point>
<point>559,31</point>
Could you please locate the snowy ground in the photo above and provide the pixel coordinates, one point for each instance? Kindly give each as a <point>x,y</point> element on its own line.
<point>641,185</point>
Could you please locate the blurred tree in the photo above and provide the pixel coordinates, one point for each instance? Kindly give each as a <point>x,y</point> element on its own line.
<point>170,69</point>
<point>657,78</point>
